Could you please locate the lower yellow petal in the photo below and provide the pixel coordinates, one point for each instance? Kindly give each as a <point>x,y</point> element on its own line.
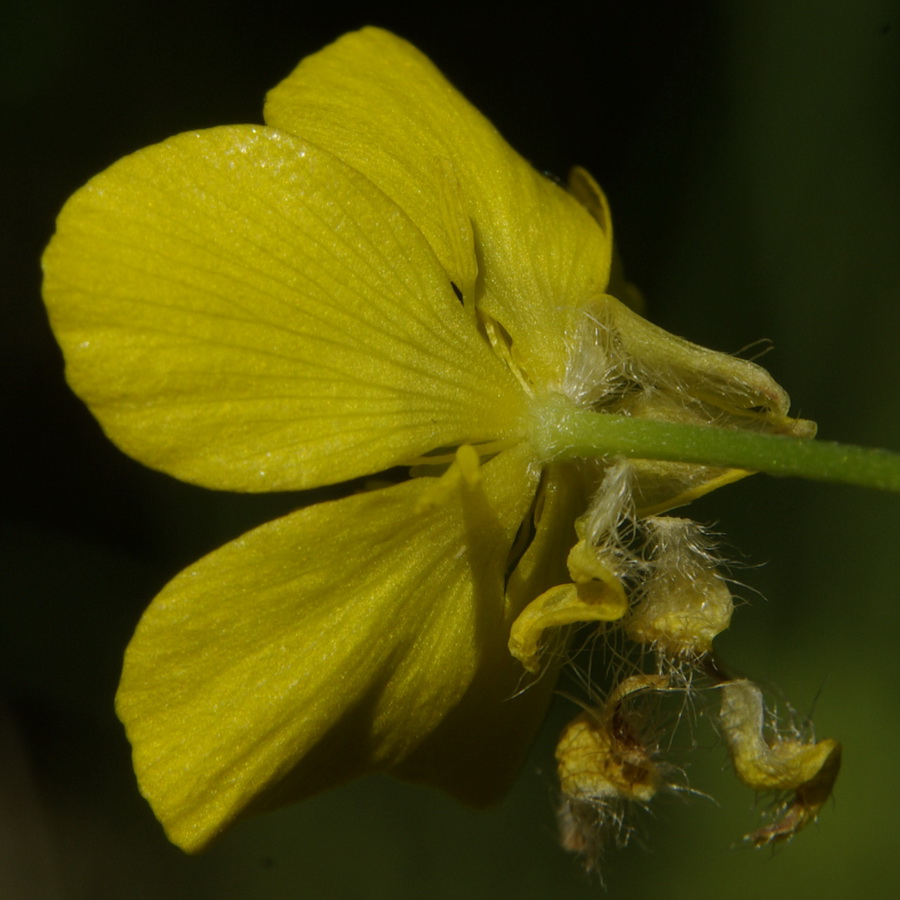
<point>349,637</point>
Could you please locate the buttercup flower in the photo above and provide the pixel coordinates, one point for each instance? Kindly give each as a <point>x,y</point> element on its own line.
<point>373,280</point>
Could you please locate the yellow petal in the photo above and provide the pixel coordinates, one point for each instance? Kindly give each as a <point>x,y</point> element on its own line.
<point>589,194</point>
<point>564,604</point>
<point>585,189</point>
<point>366,634</point>
<point>244,311</point>
<point>381,106</point>
<point>459,257</point>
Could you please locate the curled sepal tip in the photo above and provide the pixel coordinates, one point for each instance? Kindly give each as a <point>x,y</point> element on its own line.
<point>804,770</point>
<point>594,595</point>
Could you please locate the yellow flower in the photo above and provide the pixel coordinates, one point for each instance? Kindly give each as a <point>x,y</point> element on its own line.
<point>372,279</point>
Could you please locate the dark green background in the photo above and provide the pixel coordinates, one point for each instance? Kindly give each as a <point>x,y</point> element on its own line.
<point>751,152</point>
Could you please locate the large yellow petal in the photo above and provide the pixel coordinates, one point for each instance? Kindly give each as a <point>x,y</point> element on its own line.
<point>365,634</point>
<point>380,105</point>
<point>244,311</point>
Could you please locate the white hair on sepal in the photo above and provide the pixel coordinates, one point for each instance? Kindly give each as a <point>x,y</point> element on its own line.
<point>685,601</point>
<point>605,373</point>
<point>611,514</point>
<point>600,658</point>
<point>619,362</point>
<point>596,371</point>
<point>683,544</point>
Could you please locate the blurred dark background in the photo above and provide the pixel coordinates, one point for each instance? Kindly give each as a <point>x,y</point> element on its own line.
<point>751,154</point>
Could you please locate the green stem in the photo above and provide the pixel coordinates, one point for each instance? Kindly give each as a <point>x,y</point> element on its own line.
<point>565,432</point>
